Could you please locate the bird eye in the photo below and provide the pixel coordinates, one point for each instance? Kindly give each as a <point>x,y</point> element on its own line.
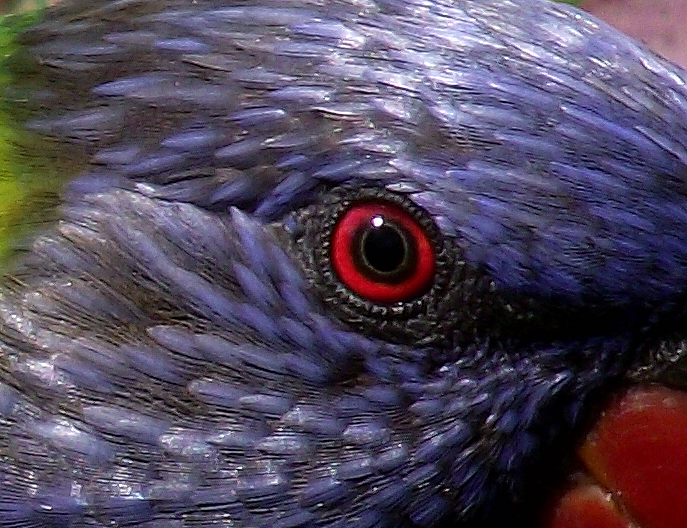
<point>382,253</point>
<point>379,262</point>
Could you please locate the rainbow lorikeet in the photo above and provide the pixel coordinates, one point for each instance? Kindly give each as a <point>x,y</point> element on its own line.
<point>367,263</point>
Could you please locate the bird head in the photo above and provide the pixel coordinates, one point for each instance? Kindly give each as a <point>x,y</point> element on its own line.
<point>368,263</point>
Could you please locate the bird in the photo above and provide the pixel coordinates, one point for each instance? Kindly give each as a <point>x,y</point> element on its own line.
<point>371,263</point>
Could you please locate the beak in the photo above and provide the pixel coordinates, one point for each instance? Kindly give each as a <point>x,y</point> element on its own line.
<point>634,462</point>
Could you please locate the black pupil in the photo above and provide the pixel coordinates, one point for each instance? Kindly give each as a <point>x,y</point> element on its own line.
<point>384,249</point>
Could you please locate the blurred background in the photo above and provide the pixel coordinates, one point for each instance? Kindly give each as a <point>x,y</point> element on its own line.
<point>659,23</point>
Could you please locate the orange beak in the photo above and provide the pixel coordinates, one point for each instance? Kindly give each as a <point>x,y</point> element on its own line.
<point>635,460</point>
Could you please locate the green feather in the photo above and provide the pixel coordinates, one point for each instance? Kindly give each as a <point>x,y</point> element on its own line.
<point>30,174</point>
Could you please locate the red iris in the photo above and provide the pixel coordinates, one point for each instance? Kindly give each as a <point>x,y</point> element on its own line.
<point>382,253</point>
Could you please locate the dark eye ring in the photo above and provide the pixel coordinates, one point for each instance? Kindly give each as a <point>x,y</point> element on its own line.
<point>380,262</point>
<point>382,253</point>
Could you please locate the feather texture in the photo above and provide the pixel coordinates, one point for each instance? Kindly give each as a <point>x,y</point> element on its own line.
<point>169,357</point>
